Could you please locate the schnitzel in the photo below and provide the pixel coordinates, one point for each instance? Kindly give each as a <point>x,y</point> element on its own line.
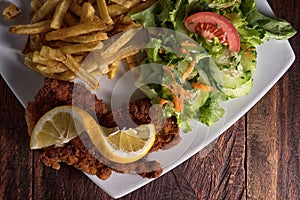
<point>86,158</point>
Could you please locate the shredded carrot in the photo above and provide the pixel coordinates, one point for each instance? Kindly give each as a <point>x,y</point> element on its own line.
<point>179,87</point>
<point>163,101</point>
<point>202,87</point>
<point>183,50</point>
<point>248,52</point>
<point>178,103</point>
<point>171,65</point>
<point>177,91</point>
<point>189,70</point>
<point>188,44</point>
<point>175,95</point>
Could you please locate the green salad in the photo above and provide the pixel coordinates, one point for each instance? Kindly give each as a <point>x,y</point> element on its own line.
<point>196,79</point>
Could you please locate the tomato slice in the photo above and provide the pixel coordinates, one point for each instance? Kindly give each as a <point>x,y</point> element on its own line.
<point>210,25</point>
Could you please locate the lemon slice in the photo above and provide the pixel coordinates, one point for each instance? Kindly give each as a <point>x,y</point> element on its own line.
<point>130,145</point>
<point>57,127</point>
<point>63,123</point>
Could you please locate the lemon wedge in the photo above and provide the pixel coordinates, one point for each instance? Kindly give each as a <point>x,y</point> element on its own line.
<point>63,123</point>
<point>57,127</point>
<point>129,145</point>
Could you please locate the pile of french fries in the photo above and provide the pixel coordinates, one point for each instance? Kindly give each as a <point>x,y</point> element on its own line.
<point>63,32</point>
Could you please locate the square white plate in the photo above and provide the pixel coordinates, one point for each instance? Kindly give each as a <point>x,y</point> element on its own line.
<point>274,59</point>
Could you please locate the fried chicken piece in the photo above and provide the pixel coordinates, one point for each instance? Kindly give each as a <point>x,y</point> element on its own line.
<point>74,153</point>
<point>86,158</point>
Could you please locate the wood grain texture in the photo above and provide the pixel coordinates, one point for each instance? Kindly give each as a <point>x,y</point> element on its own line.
<point>257,158</point>
<point>273,128</point>
<point>16,158</point>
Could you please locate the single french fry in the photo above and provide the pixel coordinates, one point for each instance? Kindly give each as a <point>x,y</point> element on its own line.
<point>79,2</point>
<point>124,23</point>
<point>35,5</point>
<point>65,76</point>
<point>46,9</point>
<point>78,48</point>
<point>131,61</point>
<point>45,69</point>
<point>90,63</point>
<point>107,54</point>
<point>126,20</point>
<point>54,54</point>
<point>28,61</point>
<point>59,13</point>
<point>113,67</point>
<point>29,29</point>
<point>96,73</point>
<point>119,43</point>
<point>71,63</point>
<point>127,3</point>
<point>125,52</point>
<point>75,9</point>
<point>88,13</point>
<point>76,30</point>
<point>142,6</point>
<point>99,61</point>
<point>79,58</point>
<point>92,1</point>
<point>103,11</point>
<point>35,42</point>
<point>93,37</point>
<point>57,44</point>
<point>117,9</point>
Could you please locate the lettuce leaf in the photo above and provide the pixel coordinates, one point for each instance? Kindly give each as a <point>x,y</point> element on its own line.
<point>277,29</point>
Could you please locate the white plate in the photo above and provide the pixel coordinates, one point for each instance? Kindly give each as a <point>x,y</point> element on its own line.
<point>274,59</point>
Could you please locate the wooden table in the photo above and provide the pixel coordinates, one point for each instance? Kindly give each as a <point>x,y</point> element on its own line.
<point>257,158</point>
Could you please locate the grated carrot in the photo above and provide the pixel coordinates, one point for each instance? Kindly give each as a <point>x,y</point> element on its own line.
<point>202,87</point>
<point>177,91</point>
<point>190,69</point>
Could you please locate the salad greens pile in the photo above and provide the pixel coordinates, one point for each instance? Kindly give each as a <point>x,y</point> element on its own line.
<point>218,74</point>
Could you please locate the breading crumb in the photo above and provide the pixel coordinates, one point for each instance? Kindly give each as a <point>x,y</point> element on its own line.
<point>11,12</point>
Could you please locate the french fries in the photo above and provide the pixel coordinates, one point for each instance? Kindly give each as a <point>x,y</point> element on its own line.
<point>117,9</point>
<point>103,10</point>
<point>79,29</point>
<point>78,48</point>
<point>44,10</point>
<point>87,38</point>
<point>29,29</point>
<point>59,13</point>
<point>87,13</point>
<point>52,66</point>
<point>35,5</point>
<point>76,9</point>
<point>66,37</point>
<point>113,70</point>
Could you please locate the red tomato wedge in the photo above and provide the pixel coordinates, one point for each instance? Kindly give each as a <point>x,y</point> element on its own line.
<point>210,25</point>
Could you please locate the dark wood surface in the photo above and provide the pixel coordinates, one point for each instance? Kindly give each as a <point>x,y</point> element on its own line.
<point>257,158</point>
